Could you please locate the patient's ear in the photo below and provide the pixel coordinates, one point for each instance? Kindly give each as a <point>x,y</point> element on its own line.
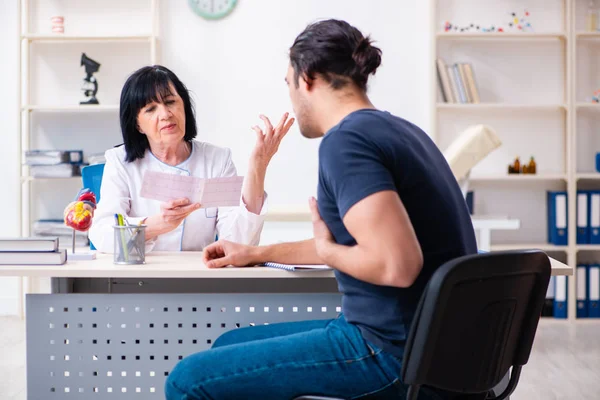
<point>305,83</point>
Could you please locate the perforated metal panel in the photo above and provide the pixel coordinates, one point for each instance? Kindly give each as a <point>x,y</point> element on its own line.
<point>122,346</point>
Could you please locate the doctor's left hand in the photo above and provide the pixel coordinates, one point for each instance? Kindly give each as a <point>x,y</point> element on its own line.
<point>268,140</point>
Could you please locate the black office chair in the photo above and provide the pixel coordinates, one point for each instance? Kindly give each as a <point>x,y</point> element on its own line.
<point>476,319</point>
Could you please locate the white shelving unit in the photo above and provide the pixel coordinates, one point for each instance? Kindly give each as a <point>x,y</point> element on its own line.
<point>28,107</point>
<point>64,111</point>
<point>534,87</point>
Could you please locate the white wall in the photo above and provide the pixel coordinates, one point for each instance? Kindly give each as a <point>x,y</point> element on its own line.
<point>234,67</point>
<point>9,178</point>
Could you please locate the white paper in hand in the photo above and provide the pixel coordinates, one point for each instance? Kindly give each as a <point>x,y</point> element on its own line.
<point>213,192</point>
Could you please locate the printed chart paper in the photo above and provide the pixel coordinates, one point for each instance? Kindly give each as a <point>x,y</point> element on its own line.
<point>213,192</point>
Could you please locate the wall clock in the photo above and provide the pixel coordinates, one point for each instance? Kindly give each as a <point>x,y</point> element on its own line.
<point>212,9</point>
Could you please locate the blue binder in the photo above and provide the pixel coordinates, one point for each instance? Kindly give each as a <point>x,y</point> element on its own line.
<point>594,291</point>
<point>560,297</point>
<point>558,232</point>
<point>582,290</point>
<point>594,210</point>
<point>548,310</point>
<point>583,217</point>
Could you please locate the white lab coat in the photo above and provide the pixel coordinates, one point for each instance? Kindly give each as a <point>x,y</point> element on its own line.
<point>120,193</point>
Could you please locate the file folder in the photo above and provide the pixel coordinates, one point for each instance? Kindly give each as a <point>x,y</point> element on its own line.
<point>560,297</point>
<point>583,235</point>
<point>557,218</point>
<point>594,291</point>
<point>582,291</point>
<point>548,309</point>
<point>594,208</point>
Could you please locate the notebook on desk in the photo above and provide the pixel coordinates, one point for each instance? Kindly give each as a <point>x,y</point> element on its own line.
<point>297,267</point>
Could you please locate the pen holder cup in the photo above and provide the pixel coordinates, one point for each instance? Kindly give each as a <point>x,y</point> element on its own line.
<point>130,244</point>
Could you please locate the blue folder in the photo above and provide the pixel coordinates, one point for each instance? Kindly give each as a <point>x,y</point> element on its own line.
<point>582,290</point>
<point>594,291</point>
<point>560,297</point>
<point>558,224</point>
<point>583,217</point>
<point>594,211</point>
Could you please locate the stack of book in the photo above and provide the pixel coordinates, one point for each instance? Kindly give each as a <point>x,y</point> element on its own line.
<point>54,163</point>
<point>56,228</point>
<point>457,82</point>
<point>31,251</point>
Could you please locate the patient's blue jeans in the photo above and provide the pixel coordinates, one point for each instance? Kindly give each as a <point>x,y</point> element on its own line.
<point>282,361</point>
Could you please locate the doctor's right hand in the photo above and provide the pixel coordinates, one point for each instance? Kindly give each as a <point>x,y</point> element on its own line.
<point>172,213</point>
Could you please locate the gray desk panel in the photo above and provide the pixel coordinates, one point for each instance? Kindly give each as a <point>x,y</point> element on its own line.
<point>122,346</point>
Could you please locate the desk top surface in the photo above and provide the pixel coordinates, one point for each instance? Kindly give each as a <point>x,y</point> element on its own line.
<point>186,264</point>
<point>180,264</point>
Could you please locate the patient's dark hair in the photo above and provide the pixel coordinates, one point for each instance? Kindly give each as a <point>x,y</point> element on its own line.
<point>336,51</point>
<point>146,85</point>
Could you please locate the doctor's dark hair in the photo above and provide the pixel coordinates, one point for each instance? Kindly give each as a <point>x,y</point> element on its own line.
<point>337,51</point>
<point>146,85</point>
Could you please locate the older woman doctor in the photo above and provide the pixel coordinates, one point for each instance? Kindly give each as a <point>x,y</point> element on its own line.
<point>159,127</point>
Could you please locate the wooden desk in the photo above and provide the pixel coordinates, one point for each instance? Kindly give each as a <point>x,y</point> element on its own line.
<point>142,336</point>
<point>185,264</point>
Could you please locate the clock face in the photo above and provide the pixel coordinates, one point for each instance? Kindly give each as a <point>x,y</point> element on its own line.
<point>212,9</point>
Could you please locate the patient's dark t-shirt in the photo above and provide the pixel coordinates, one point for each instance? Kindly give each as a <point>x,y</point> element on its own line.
<point>370,151</point>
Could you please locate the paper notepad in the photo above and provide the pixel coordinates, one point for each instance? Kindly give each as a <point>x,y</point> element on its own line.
<point>297,267</point>
<point>213,192</point>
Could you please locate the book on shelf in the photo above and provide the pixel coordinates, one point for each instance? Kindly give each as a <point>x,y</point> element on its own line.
<point>457,82</point>
<point>96,158</point>
<point>53,157</point>
<point>55,171</point>
<point>44,228</point>
<point>30,244</point>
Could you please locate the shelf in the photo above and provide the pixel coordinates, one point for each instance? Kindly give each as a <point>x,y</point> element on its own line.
<point>34,178</point>
<point>502,35</point>
<point>588,247</point>
<point>588,106</point>
<point>588,35</point>
<point>589,176</point>
<point>70,109</point>
<point>519,178</point>
<point>75,38</point>
<point>527,246</point>
<point>500,107</point>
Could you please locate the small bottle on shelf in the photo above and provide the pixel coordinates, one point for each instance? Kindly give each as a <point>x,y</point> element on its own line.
<point>531,168</point>
<point>517,166</point>
<point>591,17</point>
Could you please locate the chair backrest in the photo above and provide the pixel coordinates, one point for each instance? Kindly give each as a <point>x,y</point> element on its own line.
<point>476,318</point>
<point>92,178</point>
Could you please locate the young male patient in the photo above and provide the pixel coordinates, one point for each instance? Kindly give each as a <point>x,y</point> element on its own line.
<point>389,213</point>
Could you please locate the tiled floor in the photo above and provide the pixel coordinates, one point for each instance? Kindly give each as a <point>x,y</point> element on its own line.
<point>565,363</point>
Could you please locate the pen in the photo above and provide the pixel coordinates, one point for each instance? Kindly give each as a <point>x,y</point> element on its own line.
<point>131,244</point>
<point>120,256</point>
<point>123,242</point>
